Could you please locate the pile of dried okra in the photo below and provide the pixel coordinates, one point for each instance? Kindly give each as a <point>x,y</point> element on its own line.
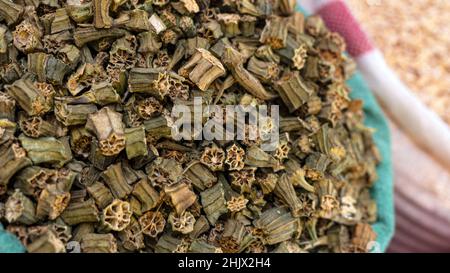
<point>86,149</point>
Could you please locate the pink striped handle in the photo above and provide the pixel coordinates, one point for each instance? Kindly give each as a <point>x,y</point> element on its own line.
<point>339,18</point>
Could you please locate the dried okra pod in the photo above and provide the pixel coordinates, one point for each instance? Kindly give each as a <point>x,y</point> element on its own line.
<point>101,194</point>
<point>107,125</point>
<point>136,142</point>
<point>200,176</point>
<point>202,69</point>
<point>28,96</point>
<point>276,225</point>
<point>47,150</point>
<point>81,212</point>
<point>47,242</point>
<point>214,203</point>
<point>52,202</point>
<point>115,179</point>
<point>20,209</point>
<point>98,243</point>
<point>12,159</point>
<point>181,196</point>
<point>117,215</point>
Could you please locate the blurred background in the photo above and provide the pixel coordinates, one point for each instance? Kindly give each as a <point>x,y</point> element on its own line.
<point>414,38</point>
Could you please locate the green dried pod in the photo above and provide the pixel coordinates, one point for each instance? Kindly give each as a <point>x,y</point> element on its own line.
<point>187,25</point>
<point>183,223</point>
<point>234,61</point>
<point>249,7</point>
<point>36,126</point>
<point>316,165</point>
<point>152,223</point>
<point>123,52</point>
<point>229,23</point>
<point>201,226</point>
<point>61,230</point>
<point>150,81</point>
<point>202,69</point>
<point>293,90</point>
<point>20,209</point>
<point>276,225</point>
<point>107,125</point>
<point>28,97</point>
<point>12,159</point>
<point>148,42</point>
<point>248,25</point>
<point>33,179</point>
<point>47,150</point>
<point>85,76</point>
<point>338,239</point>
<point>10,11</point>
<point>36,64</point>
<point>84,35</point>
<point>266,53</point>
<point>275,32</point>
<point>202,246</point>
<point>101,13</point>
<point>170,244</point>
<point>181,196</point>
<point>286,192</point>
<point>47,242</point>
<point>214,203</point>
<point>235,158</point>
<point>117,215</point>
<point>115,179</point>
<point>81,230</point>
<point>7,131</point>
<point>232,236</point>
<point>136,142</point>
<point>200,176</point>
<point>101,194</point>
<point>157,24</point>
<point>27,37</point>
<point>98,243</point>
<point>213,157</point>
<point>265,71</point>
<point>287,7</point>
<point>81,212</point>
<point>55,70</point>
<point>328,199</point>
<point>243,180</point>
<point>148,197</point>
<point>7,107</point>
<point>164,171</point>
<point>80,13</point>
<point>212,30</point>
<point>296,23</point>
<point>73,114</point>
<point>256,157</point>
<point>196,42</point>
<point>101,93</point>
<point>268,183</point>
<point>297,175</point>
<point>138,21</point>
<point>131,238</point>
<point>70,55</point>
<point>295,53</point>
<point>52,202</point>
<point>61,21</point>
<point>315,26</point>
